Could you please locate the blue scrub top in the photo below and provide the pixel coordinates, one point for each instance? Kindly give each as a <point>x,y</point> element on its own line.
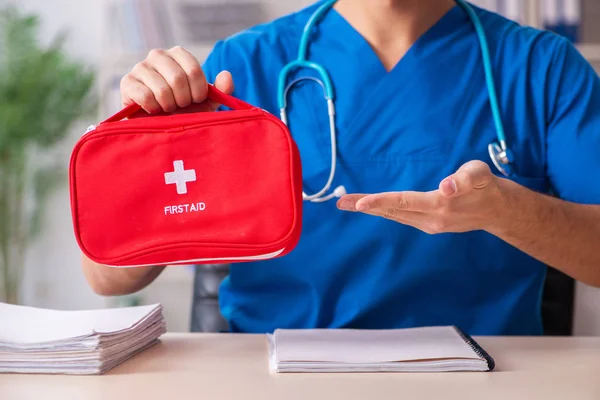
<point>407,129</point>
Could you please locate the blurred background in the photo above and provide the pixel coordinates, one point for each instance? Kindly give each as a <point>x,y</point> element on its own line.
<point>105,38</point>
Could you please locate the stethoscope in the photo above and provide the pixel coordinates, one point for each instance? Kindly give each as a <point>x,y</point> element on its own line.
<point>498,150</point>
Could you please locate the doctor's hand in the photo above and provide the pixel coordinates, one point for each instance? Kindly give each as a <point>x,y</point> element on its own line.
<point>470,199</point>
<point>171,81</point>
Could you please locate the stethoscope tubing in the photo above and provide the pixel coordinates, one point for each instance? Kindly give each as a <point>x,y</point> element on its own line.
<point>498,151</point>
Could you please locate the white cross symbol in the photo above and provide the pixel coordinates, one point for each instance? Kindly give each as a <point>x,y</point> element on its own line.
<point>180,177</point>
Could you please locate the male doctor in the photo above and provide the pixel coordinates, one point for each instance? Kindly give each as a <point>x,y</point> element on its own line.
<point>430,233</point>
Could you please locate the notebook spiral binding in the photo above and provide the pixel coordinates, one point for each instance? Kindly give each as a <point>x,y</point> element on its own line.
<point>477,348</point>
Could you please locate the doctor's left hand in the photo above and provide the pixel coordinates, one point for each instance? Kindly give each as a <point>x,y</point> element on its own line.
<point>470,199</point>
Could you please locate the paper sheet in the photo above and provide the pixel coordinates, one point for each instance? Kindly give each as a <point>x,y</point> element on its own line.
<point>28,325</point>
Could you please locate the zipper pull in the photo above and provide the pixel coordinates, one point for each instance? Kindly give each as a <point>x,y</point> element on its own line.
<point>89,129</point>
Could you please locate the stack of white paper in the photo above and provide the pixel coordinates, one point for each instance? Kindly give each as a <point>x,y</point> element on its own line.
<point>429,349</point>
<point>34,340</point>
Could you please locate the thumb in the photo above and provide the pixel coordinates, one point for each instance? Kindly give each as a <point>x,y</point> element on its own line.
<point>223,82</point>
<point>474,175</point>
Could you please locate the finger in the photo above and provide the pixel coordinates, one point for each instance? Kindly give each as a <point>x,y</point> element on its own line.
<point>474,175</point>
<point>417,220</point>
<point>134,91</point>
<point>406,201</point>
<point>427,223</point>
<point>157,84</point>
<point>196,80</point>
<point>404,217</point>
<point>348,201</point>
<point>224,83</point>
<point>172,73</point>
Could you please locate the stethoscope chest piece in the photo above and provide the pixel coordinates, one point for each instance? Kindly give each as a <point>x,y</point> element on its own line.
<point>501,157</point>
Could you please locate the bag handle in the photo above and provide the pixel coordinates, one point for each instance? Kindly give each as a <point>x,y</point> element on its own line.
<point>213,94</point>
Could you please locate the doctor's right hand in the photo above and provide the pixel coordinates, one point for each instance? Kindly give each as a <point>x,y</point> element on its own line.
<point>171,81</point>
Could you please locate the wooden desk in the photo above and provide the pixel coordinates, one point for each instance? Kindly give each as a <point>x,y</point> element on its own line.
<point>232,367</point>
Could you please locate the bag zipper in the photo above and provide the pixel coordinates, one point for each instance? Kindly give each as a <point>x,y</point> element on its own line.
<point>258,257</point>
<point>89,129</point>
<point>245,114</point>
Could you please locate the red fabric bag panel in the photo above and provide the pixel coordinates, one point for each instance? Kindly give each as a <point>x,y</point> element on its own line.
<point>206,187</point>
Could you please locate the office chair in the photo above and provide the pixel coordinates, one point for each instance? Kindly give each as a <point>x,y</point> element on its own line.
<point>206,315</point>
<point>558,302</point>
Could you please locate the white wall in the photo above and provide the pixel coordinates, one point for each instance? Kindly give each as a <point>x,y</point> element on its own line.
<point>53,276</point>
<point>82,18</point>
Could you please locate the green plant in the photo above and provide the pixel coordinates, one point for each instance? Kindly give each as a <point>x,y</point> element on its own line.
<point>42,94</point>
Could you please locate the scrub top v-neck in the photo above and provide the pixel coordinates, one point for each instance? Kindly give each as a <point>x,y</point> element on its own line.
<point>405,129</point>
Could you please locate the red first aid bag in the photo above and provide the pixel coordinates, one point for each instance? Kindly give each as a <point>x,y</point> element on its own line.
<point>206,187</point>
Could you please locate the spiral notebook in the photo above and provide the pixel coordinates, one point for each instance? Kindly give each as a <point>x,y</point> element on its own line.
<point>428,349</point>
